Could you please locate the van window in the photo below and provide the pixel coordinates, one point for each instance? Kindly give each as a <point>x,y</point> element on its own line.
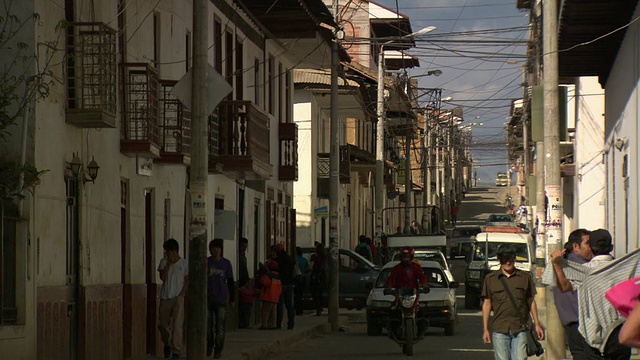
<point>522,252</point>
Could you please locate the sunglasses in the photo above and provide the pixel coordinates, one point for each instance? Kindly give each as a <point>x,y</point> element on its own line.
<point>510,259</point>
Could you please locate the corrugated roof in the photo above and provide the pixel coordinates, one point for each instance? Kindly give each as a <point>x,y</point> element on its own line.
<point>303,76</point>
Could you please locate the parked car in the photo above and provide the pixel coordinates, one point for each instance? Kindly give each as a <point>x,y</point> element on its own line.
<point>500,220</point>
<point>438,306</point>
<point>355,273</point>
<point>462,239</point>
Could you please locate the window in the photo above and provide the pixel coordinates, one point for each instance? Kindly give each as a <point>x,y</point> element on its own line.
<point>271,79</point>
<point>239,69</point>
<point>156,40</point>
<point>288,97</point>
<point>256,82</point>
<point>522,252</point>
<point>228,62</point>
<point>279,76</point>
<point>8,285</point>
<point>217,45</point>
<point>187,52</point>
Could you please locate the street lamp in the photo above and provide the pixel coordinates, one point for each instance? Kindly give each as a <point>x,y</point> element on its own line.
<point>76,169</point>
<point>436,72</point>
<point>380,132</point>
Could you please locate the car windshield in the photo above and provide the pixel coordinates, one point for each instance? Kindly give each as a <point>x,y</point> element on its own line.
<point>522,252</point>
<point>499,218</point>
<point>435,277</point>
<point>425,256</point>
<point>466,232</point>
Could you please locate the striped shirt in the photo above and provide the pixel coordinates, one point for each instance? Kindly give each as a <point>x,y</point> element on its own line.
<point>597,317</point>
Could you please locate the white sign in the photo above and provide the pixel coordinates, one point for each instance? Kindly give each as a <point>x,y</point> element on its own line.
<point>218,89</point>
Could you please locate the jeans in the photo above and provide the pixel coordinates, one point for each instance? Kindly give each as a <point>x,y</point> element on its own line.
<point>298,292</point>
<point>286,299</point>
<point>613,350</point>
<point>576,341</point>
<point>216,320</point>
<point>245,314</point>
<point>510,346</point>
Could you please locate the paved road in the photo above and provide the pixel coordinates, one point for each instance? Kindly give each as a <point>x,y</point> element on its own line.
<point>465,344</point>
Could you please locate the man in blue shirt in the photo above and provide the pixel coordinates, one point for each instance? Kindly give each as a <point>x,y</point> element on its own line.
<point>219,295</point>
<point>577,249</point>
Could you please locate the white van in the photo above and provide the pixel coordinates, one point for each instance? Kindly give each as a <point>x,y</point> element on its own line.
<point>479,265</point>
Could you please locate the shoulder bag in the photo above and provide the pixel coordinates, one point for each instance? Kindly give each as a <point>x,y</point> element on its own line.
<point>533,345</point>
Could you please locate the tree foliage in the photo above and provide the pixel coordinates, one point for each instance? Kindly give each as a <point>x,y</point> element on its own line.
<point>24,77</point>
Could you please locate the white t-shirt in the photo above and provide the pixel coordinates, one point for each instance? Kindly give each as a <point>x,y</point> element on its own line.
<point>173,284</point>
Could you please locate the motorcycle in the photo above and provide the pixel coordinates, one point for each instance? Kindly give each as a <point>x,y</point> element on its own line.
<point>406,327</point>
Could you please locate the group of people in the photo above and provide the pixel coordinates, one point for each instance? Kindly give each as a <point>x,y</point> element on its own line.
<point>279,284</point>
<point>581,274</point>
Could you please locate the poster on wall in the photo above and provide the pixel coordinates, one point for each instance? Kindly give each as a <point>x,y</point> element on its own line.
<point>553,195</point>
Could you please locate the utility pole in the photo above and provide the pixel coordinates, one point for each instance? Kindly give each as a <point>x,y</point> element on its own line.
<point>407,178</point>
<point>197,316</point>
<point>553,188</point>
<point>380,149</point>
<point>334,185</point>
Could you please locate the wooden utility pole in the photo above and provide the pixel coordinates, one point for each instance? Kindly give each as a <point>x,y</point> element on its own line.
<point>197,315</point>
<point>334,186</point>
<point>552,184</point>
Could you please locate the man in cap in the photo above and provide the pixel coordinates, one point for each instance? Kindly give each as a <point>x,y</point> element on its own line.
<point>220,294</point>
<point>508,337</point>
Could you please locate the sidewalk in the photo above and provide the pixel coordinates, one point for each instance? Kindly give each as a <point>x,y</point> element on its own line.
<point>254,344</point>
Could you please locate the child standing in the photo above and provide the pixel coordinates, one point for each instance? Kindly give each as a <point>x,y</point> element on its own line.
<point>270,295</point>
<point>247,297</point>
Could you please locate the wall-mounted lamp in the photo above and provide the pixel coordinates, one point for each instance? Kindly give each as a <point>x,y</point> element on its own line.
<point>92,169</point>
<point>621,143</point>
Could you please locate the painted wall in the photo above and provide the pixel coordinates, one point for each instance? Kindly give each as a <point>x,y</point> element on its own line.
<point>621,128</point>
<point>590,190</point>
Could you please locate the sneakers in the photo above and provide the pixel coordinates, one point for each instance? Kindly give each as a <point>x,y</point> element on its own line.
<point>217,355</point>
<point>167,351</point>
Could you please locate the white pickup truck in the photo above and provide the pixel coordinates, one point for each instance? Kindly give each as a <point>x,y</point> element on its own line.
<point>479,264</point>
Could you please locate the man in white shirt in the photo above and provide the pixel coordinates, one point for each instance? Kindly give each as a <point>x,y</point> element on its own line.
<point>174,273</point>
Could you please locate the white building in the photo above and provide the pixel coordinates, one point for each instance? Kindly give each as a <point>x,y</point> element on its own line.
<point>84,253</point>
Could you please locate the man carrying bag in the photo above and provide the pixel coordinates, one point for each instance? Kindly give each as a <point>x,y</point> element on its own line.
<point>509,293</point>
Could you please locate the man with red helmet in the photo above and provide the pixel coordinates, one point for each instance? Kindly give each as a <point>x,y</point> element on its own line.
<point>407,274</point>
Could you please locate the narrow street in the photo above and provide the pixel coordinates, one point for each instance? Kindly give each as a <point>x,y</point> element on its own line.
<point>466,342</point>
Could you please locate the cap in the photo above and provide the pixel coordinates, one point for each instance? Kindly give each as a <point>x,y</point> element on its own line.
<point>279,247</point>
<point>600,236</point>
<point>505,249</point>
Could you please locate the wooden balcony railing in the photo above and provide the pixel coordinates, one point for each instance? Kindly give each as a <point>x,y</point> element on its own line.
<point>242,140</point>
<point>288,136</point>
<point>139,130</point>
<point>174,126</point>
<point>91,75</point>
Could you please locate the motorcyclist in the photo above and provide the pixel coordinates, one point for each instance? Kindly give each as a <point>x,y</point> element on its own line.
<point>408,273</point>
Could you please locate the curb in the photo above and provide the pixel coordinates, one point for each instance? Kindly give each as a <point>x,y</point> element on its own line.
<point>277,346</point>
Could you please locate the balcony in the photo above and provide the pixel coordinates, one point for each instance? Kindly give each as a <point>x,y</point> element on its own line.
<point>324,171</point>
<point>91,75</point>
<point>174,127</point>
<point>288,136</point>
<point>139,130</point>
<point>239,141</point>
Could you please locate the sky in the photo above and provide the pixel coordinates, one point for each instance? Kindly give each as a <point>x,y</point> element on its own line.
<point>480,47</point>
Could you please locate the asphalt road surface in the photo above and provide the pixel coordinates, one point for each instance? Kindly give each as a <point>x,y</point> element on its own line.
<point>466,343</point>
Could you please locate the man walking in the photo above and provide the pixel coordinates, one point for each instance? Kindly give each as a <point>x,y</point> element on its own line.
<point>577,249</point>
<point>243,277</point>
<point>220,293</point>
<point>174,273</point>
<point>285,269</point>
<point>508,335</point>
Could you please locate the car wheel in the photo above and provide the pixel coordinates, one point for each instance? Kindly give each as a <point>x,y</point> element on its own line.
<point>471,299</point>
<point>449,329</point>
